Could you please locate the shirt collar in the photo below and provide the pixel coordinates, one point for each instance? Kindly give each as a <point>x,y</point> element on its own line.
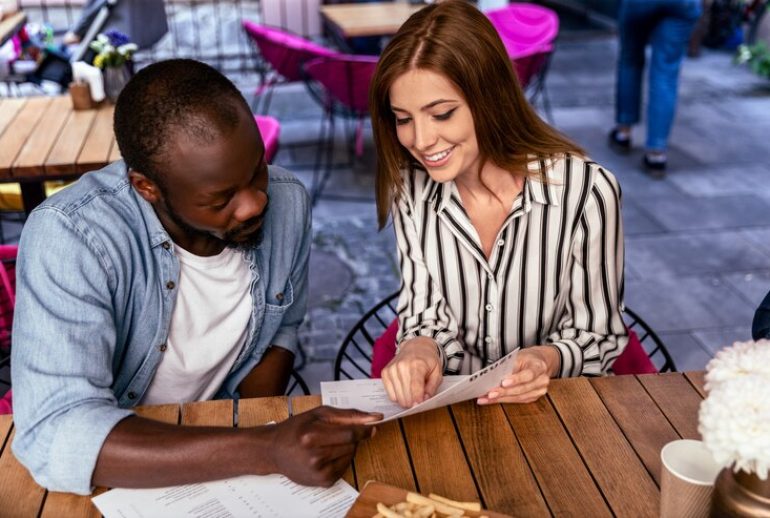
<point>541,186</point>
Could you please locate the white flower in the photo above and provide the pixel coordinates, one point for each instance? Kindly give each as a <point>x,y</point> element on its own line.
<point>740,360</point>
<point>734,421</point>
<point>128,48</point>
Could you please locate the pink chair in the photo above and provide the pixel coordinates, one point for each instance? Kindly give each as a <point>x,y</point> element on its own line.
<point>7,303</point>
<point>270,129</point>
<point>345,79</point>
<point>528,32</point>
<point>284,53</point>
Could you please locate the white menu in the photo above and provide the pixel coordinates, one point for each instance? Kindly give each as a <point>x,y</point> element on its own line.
<point>247,496</point>
<point>369,395</point>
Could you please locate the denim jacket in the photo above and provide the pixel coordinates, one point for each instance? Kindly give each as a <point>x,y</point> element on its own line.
<point>96,285</point>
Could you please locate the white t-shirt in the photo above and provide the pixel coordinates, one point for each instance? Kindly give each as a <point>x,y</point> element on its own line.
<point>209,327</point>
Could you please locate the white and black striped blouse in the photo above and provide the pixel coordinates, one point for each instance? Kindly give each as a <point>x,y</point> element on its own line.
<point>555,275</point>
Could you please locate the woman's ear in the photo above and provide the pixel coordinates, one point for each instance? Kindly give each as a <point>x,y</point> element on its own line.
<point>147,188</point>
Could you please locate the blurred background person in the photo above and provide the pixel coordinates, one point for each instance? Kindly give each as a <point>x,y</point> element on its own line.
<point>666,26</point>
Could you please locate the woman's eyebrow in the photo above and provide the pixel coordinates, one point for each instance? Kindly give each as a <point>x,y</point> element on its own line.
<point>426,107</point>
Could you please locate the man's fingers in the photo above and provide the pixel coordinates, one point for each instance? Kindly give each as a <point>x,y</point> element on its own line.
<point>349,416</point>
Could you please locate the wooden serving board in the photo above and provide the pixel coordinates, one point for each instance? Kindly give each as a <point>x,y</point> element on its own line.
<point>365,505</point>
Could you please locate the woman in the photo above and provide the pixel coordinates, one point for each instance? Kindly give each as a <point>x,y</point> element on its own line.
<point>508,237</point>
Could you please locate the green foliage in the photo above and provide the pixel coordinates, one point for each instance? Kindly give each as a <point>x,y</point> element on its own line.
<point>757,57</point>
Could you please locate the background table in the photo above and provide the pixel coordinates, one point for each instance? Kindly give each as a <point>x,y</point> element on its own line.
<point>590,448</point>
<point>367,19</point>
<point>43,138</point>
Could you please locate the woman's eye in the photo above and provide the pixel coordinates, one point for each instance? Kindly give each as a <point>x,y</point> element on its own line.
<point>444,116</point>
<point>403,121</point>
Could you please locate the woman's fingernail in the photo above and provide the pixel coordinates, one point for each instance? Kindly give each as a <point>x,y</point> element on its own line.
<point>482,400</point>
<point>507,383</point>
<point>493,395</point>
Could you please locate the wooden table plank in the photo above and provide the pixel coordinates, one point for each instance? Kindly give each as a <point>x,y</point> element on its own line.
<point>22,126</point>
<point>9,108</point>
<point>564,480</point>
<point>208,413</point>
<point>20,495</point>
<point>436,453</point>
<point>6,423</point>
<point>698,380</point>
<point>33,154</point>
<point>114,152</point>
<point>507,484</point>
<point>64,154</point>
<point>678,400</point>
<point>300,404</point>
<point>164,413</point>
<point>621,476</point>
<point>642,422</point>
<point>95,153</point>
<point>258,412</point>
<point>58,505</point>
<point>385,458</point>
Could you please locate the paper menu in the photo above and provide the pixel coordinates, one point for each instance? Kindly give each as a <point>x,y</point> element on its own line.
<point>247,496</point>
<point>369,395</point>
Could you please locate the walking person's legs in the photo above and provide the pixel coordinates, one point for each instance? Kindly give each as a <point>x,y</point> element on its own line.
<point>635,25</point>
<point>669,41</point>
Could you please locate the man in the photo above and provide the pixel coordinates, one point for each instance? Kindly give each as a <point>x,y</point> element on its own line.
<point>165,278</point>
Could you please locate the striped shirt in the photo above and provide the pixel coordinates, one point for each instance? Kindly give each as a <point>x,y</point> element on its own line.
<point>555,275</point>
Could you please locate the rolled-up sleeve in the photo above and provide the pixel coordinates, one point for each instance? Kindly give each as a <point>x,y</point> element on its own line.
<point>422,309</point>
<point>591,334</point>
<point>62,353</point>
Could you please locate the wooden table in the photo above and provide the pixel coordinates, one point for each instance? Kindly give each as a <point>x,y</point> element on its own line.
<point>367,19</point>
<point>43,138</point>
<point>591,448</point>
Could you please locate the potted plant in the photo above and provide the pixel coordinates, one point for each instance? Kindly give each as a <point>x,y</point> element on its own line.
<point>114,56</point>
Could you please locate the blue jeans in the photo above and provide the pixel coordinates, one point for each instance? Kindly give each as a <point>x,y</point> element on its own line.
<point>666,26</point>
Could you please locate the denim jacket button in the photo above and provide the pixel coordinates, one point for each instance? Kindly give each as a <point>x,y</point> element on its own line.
<point>163,348</point>
<point>166,245</point>
<point>170,285</point>
<point>132,395</point>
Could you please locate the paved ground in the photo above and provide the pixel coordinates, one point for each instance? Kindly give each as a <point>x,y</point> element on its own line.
<point>698,242</point>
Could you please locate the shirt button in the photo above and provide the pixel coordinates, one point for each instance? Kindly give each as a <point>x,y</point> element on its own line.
<point>500,242</point>
<point>279,296</point>
<point>488,307</point>
<point>170,285</point>
<point>163,348</point>
<point>166,245</point>
<point>132,395</point>
<point>487,339</point>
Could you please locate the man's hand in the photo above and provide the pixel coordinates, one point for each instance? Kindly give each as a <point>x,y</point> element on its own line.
<point>414,374</point>
<point>316,447</point>
<point>534,368</point>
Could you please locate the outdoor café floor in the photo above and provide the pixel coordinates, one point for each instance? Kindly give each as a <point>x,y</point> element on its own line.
<point>697,242</point>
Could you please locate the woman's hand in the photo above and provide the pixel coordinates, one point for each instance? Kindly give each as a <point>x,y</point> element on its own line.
<point>535,366</point>
<point>414,374</point>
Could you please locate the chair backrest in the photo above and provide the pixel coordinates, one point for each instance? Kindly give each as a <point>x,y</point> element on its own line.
<point>297,385</point>
<point>525,29</point>
<point>270,129</point>
<point>360,357</point>
<point>285,52</point>
<point>346,79</point>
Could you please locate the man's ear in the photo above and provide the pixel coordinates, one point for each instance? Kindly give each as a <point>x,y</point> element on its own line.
<point>147,188</point>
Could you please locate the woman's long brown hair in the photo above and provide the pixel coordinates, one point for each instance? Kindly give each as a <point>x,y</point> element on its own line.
<point>455,40</point>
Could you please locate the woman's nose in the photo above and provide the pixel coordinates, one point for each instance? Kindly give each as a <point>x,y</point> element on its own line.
<point>424,136</point>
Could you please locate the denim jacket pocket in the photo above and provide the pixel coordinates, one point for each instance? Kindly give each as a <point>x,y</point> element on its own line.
<point>279,301</point>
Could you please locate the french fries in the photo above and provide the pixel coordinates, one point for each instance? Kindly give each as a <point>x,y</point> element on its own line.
<point>418,506</point>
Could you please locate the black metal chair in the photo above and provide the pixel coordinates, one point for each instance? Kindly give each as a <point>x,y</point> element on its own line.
<point>354,358</point>
<point>297,385</point>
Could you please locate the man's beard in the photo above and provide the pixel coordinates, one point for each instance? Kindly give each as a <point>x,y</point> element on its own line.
<point>252,240</point>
